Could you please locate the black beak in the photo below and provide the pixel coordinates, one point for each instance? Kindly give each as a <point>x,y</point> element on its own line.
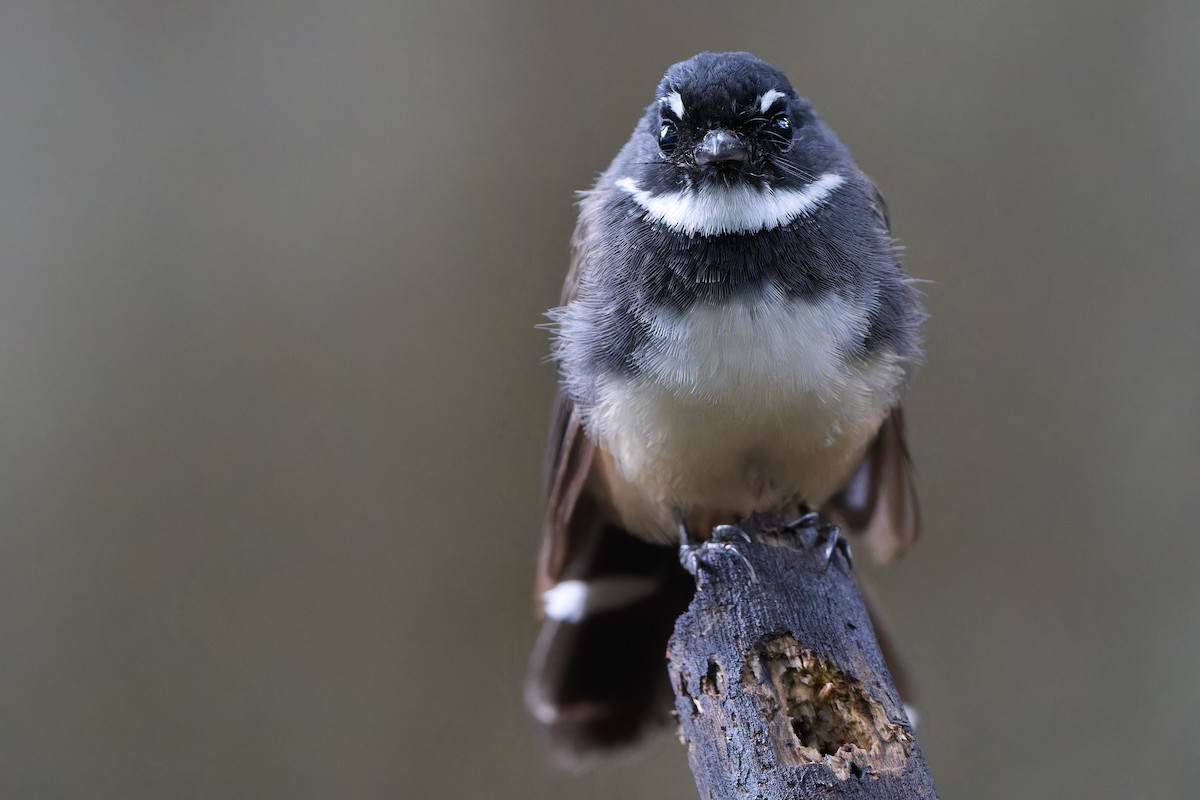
<point>720,146</point>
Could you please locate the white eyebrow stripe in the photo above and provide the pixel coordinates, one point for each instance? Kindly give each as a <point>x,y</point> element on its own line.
<point>768,99</point>
<point>674,102</point>
<point>731,209</point>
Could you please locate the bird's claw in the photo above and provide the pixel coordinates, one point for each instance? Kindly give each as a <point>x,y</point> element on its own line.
<point>832,541</point>
<point>727,533</point>
<point>724,537</point>
<point>805,521</point>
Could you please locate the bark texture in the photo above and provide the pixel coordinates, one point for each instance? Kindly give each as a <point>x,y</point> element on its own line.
<point>781,688</point>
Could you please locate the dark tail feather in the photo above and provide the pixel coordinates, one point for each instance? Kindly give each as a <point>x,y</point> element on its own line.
<point>598,681</point>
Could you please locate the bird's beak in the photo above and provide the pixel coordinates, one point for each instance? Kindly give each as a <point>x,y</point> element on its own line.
<point>719,146</point>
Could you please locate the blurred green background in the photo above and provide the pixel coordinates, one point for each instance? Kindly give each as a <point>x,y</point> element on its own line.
<point>272,400</point>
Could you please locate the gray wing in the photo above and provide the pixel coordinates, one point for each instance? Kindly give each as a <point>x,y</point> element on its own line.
<point>570,523</point>
<point>879,502</point>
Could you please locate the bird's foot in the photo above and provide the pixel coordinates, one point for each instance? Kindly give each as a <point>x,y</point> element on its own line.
<point>809,532</point>
<point>724,537</point>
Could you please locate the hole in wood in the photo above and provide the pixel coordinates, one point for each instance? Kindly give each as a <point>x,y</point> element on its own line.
<point>821,714</point>
<point>713,682</point>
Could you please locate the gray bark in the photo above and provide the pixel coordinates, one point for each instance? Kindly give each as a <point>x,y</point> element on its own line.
<point>781,688</point>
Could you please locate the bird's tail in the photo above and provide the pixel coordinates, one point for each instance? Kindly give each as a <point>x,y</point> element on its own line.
<point>597,680</point>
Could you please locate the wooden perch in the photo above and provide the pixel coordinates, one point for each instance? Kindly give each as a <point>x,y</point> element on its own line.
<point>780,685</point>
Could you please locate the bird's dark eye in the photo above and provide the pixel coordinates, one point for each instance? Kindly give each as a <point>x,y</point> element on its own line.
<point>668,137</point>
<point>782,126</point>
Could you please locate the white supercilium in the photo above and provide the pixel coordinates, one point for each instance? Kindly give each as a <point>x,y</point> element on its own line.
<point>768,99</point>
<point>673,101</point>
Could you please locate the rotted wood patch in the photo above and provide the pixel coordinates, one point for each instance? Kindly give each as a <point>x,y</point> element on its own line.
<point>781,690</point>
<point>818,714</point>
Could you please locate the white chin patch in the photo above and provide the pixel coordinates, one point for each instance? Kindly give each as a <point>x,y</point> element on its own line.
<point>716,210</point>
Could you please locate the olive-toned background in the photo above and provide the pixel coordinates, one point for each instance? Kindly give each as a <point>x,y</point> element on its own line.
<point>272,399</point>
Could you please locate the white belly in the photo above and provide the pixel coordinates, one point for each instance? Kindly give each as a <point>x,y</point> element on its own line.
<point>741,407</point>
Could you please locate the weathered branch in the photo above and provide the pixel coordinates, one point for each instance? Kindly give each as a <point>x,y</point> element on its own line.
<point>780,686</point>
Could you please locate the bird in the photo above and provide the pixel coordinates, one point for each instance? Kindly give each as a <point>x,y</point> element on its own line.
<point>735,335</point>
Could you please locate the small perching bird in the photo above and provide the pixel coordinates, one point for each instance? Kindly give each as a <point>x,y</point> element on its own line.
<point>735,335</point>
